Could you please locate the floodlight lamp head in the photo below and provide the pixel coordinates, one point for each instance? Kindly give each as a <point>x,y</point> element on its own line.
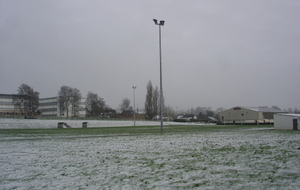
<point>162,22</point>
<point>155,21</point>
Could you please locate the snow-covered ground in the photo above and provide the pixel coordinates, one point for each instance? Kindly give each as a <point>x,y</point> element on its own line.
<point>240,159</point>
<point>36,123</point>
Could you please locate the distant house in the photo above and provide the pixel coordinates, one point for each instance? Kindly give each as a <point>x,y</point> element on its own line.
<point>287,121</point>
<point>186,118</point>
<point>248,115</point>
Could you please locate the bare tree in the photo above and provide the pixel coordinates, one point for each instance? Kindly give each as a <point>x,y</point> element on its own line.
<point>95,106</point>
<point>275,107</point>
<point>169,111</point>
<point>69,99</point>
<point>125,105</point>
<point>65,99</point>
<point>75,101</point>
<point>220,109</point>
<point>27,100</point>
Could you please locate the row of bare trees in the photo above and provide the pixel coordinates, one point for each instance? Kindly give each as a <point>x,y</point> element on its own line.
<point>27,101</point>
<point>96,106</point>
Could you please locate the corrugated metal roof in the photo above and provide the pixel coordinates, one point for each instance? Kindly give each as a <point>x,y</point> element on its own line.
<point>290,114</point>
<point>264,109</point>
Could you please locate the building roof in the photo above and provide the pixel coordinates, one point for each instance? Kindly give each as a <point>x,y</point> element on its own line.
<point>187,116</point>
<point>8,95</point>
<point>290,114</point>
<point>54,97</point>
<point>212,118</point>
<point>264,109</point>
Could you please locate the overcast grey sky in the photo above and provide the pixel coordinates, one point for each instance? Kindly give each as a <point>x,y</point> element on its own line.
<point>219,53</point>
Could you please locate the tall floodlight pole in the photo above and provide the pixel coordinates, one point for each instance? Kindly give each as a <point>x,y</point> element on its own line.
<point>161,23</point>
<point>134,87</point>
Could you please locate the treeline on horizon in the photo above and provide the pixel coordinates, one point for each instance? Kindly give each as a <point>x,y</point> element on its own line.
<point>28,101</point>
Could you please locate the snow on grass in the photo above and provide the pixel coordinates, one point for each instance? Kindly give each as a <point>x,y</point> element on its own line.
<point>208,160</point>
<point>44,124</point>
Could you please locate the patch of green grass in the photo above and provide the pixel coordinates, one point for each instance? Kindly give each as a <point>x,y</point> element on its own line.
<point>133,130</point>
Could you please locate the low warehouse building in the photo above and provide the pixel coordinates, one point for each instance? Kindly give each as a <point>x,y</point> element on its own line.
<point>287,121</point>
<point>248,115</point>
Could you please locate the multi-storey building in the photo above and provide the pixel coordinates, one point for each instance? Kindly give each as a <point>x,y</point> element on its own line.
<point>51,107</point>
<point>47,107</point>
<point>7,107</point>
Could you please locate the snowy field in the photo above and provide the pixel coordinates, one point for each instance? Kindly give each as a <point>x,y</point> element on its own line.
<point>36,123</point>
<point>233,159</point>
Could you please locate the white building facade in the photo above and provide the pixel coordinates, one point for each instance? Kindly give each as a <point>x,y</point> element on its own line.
<point>47,107</point>
<point>287,121</point>
<point>51,107</point>
<point>7,108</point>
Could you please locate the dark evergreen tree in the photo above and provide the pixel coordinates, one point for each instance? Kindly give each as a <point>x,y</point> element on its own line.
<point>149,101</point>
